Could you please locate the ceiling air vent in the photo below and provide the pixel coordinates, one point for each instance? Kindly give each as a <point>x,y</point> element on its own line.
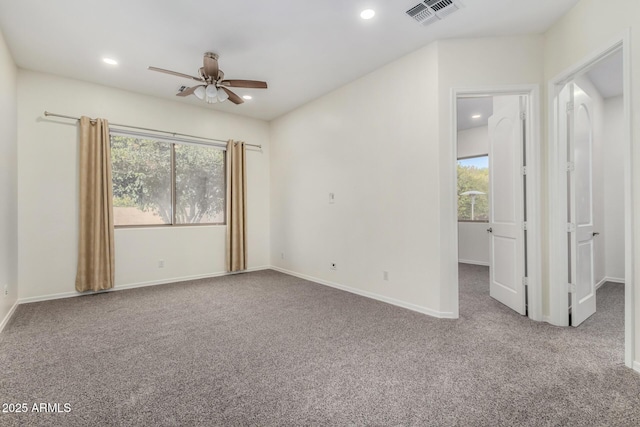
<point>422,14</point>
<point>430,11</point>
<point>442,7</point>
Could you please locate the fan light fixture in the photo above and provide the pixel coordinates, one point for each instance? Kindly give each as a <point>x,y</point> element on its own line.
<point>199,92</point>
<point>213,86</point>
<point>211,91</point>
<point>212,94</point>
<point>222,95</point>
<point>367,14</point>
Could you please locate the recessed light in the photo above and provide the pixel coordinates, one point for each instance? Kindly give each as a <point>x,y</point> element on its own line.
<point>367,14</point>
<point>109,61</point>
<point>477,116</point>
<point>247,97</point>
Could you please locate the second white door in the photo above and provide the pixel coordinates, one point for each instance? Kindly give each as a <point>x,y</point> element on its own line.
<point>506,198</point>
<point>582,277</point>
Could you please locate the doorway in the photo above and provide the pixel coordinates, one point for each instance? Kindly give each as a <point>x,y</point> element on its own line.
<point>590,188</point>
<point>494,139</point>
<point>473,179</point>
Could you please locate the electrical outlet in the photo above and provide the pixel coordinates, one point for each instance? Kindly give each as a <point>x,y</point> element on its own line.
<point>334,266</point>
<point>161,263</point>
<point>385,275</point>
<point>332,198</point>
<point>6,289</point>
<point>281,255</point>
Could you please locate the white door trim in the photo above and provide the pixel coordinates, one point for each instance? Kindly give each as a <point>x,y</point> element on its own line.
<point>534,254</point>
<point>558,314</point>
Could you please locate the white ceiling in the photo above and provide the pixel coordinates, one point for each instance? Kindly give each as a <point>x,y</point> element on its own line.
<point>303,49</point>
<point>607,76</point>
<point>469,107</point>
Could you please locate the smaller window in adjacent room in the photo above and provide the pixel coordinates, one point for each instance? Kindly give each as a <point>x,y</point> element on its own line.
<point>473,189</point>
<point>162,182</point>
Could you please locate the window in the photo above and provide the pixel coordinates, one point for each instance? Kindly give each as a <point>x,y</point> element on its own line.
<point>473,189</point>
<point>163,182</point>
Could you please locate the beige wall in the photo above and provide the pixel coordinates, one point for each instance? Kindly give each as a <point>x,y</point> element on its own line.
<point>8,184</point>
<point>613,188</point>
<point>473,243</point>
<point>47,184</point>
<point>375,145</point>
<point>473,142</point>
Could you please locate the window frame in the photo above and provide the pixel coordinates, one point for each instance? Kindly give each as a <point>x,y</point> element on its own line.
<point>472,221</point>
<point>172,141</point>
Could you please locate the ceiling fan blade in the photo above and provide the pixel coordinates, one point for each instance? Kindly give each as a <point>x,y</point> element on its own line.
<point>253,84</point>
<point>211,65</point>
<point>175,73</point>
<point>232,96</point>
<point>188,91</point>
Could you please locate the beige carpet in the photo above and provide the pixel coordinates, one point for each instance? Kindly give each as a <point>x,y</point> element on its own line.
<point>265,348</point>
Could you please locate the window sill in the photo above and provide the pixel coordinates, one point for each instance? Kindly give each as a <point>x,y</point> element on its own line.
<point>129,227</point>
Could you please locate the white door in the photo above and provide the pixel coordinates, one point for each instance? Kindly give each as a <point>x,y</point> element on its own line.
<point>506,198</point>
<point>581,273</point>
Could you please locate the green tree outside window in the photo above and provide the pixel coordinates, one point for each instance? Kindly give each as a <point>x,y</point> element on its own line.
<point>473,176</point>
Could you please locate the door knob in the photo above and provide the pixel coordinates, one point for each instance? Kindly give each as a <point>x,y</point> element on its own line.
<point>595,233</point>
<point>489,230</point>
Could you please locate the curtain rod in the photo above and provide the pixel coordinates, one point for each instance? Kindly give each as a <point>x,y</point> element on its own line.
<point>47,114</point>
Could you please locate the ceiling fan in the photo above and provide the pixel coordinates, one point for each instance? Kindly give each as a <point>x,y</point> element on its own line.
<point>214,87</point>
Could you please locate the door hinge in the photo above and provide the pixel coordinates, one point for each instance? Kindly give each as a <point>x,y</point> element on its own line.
<point>525,281</point>
<point>524,170</point>
<point>524,226</point>
<point>571,288</point>
<point>571,167</point>
<point>570,107</point>
<point>571,227</point>
<point>523,115</point>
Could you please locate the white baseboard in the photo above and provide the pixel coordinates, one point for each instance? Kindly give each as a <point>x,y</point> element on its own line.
<point>609,279</point>
<point>8,316</point>
<point>137,285</point>
<point>468,261</point>
<point>392,301</point>
<point>409,306</point>
<point>636,366</point>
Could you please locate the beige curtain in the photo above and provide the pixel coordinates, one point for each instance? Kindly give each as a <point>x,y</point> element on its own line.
<point>236,207</point>
<point>96,262</point>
